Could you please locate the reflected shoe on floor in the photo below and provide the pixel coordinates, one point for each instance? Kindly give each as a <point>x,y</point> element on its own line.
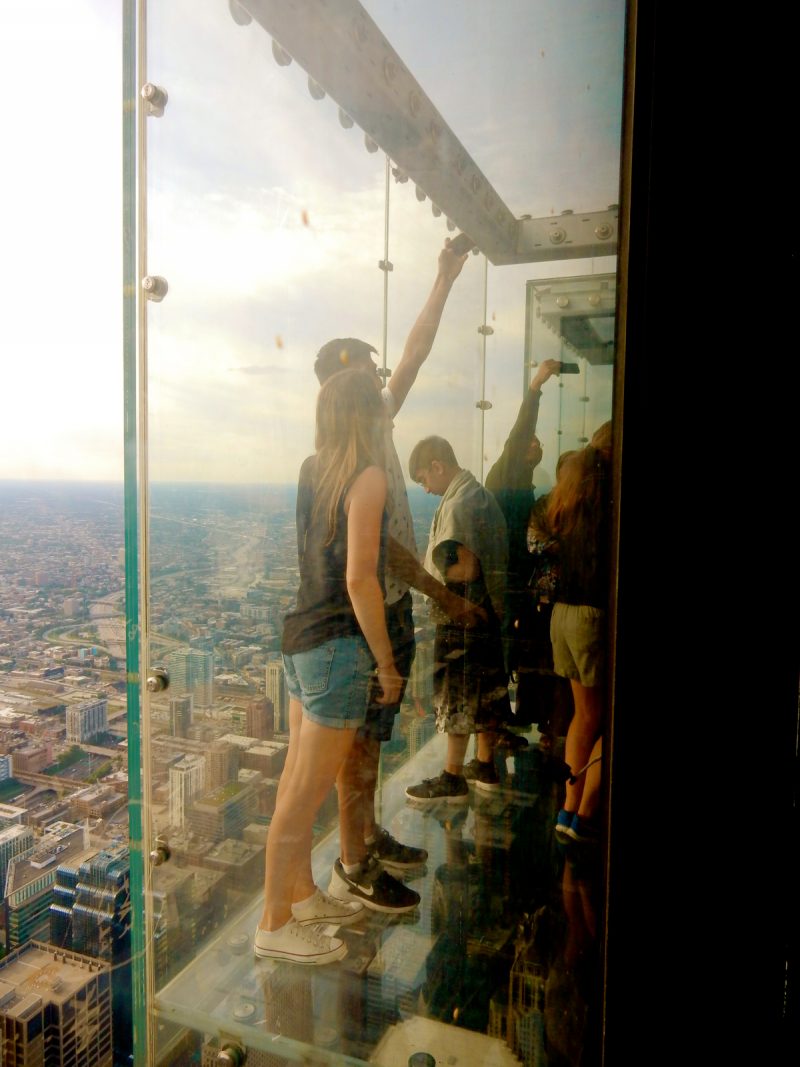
<point>564,822</point>
<point>452,788</point>
<point>483,775</point>
<point>298,944</point>
<point>322,908</point>
<point>394,855</point>
<point>584,831</point>
<point>373,887</point>
<point>511,741</point>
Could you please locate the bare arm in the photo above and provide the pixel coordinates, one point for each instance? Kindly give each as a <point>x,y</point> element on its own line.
<point>404,565</point>
<point>364,508</point>
<point>423,332</point>
<point>513,470</point>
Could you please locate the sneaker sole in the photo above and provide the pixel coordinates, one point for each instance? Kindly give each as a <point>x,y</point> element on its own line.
<point>315,960</point>
<point>334,920</point>
<point>580,839</point>
<point>487,787</point>
<point>397,865</point>
<point>462,798</point>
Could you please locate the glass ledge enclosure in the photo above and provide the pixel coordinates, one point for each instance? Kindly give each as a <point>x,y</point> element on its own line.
<point>293,173</point>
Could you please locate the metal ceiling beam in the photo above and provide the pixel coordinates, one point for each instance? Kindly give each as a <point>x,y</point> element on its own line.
<point>342,50</point>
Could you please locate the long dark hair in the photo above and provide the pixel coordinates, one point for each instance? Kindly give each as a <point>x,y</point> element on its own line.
<point>350,421</point>
<point>579,497</point>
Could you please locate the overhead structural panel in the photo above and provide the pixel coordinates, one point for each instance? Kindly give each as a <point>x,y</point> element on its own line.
<point>343,51</point>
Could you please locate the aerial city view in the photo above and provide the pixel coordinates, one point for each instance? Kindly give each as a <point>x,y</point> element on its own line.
<point>223,572</point>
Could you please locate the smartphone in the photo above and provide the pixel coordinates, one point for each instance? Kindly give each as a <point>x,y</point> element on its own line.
<point>570,368</point>
<point>461,244</point>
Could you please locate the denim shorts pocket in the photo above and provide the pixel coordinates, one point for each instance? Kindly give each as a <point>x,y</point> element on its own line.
<point>313,668</point>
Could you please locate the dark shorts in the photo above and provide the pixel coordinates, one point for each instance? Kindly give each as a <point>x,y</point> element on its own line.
<point>400,624</point>
<point>470,683</point>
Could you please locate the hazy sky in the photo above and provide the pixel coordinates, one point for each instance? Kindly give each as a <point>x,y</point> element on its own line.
<point>267,219</point>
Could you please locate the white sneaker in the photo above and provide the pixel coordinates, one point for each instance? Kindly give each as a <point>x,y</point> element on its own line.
<point>298,944</point>
<point>323,908</point>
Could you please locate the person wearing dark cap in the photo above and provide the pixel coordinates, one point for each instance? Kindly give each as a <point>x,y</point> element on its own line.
<point>383,857</point>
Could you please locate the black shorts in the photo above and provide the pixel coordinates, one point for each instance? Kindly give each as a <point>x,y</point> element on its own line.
<point>400,624</point>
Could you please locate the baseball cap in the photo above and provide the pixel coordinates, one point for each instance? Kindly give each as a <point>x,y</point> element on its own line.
<point>339,354</point>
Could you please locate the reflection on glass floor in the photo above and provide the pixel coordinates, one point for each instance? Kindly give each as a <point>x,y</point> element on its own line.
<point>496,966</point>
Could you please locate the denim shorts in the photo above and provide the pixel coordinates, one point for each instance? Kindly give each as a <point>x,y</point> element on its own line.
<point>331,681</point>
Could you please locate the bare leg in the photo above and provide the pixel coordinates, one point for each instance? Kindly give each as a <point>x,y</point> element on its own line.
<point>456,751</point>
<point>356,788</point>
<point>366,755</point>
<point>485,744</point>
<point>321,750</point>
<point>304,884</point>
<point>583,731</point>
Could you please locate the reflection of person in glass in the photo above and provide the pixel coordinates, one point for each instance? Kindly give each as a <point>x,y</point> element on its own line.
<point>578,514</point>
<point>331,642</point>
<point>370,878</point>
<point>525,629</point>
<point>468,550</point>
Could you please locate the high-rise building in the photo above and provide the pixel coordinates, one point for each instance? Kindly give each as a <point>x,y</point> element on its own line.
<point>224,812</point>
<point>180,715</point>
<point>187,779</point>
<point>55,1008</point>
<point>91,914</point>
<point>86,720</point>
<point>278,695</point>
<point>261,719</point>
<point>6,767</point>
<point>191,670</point>
<point>14,841</point>
<point>30,881</point>
<point>222,764</point>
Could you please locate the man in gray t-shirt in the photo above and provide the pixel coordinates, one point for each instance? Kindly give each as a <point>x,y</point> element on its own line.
<point>381,852</point>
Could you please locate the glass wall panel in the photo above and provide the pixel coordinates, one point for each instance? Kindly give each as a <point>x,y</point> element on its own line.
<point>303,167</point>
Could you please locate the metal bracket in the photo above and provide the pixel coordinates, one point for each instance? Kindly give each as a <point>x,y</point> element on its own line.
<point>155,99</point>
<point>155,287</point>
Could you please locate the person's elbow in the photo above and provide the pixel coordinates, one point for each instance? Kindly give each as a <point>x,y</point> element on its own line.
<point>361,583</point>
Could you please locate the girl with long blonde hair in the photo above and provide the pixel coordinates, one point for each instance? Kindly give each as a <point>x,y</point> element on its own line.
<point>333,642</point>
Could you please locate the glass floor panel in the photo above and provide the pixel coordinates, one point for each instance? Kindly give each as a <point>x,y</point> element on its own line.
<point>503,945</point>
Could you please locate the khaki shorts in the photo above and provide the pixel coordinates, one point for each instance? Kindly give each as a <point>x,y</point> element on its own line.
<point>578,636</point>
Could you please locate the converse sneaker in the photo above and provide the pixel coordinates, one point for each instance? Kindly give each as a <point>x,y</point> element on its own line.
<point>448,787</point>
<point>564,822</point>
<point>321,908</point>
<point>393,855</point>
<point>482,775</point>
<point>298,944</point>
<point>373,887</point>
<point>584,831</point>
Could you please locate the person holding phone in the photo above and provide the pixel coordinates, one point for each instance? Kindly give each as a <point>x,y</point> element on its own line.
<point>334,644</point>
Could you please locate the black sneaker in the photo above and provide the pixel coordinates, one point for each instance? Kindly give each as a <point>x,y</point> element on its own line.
<point>482,775</point>
<point>373,887</point>
<point>394,855</point>
<point>452,788</point>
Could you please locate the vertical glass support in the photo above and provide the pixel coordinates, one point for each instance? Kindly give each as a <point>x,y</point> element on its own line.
<point>386,267</point>
<point>484,331</point>
<point>133,669</point>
